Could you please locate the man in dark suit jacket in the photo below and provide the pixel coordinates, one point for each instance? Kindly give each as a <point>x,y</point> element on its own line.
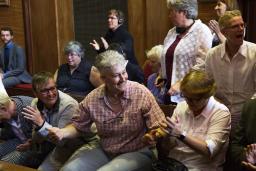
<point>15,129</point>
<point>12,61</point>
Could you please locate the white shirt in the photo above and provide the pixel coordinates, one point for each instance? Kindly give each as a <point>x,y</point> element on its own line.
<point>212,126</point>
<point>188,52</point>
<point>236,78</point>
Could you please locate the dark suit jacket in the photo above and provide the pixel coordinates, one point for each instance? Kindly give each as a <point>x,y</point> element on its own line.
<point>17,64</point>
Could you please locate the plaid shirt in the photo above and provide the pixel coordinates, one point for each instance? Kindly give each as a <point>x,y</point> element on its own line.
<point>122,132</point>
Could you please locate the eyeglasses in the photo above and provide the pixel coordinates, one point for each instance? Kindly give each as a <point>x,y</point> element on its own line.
<point>48,90</point>
<point>237,26</point>
<point>192,99</point>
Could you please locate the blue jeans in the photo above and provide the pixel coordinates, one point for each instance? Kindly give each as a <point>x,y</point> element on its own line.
<point>96,160</point>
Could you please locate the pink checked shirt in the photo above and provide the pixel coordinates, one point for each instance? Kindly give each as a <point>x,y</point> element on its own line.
<point>120,132</point>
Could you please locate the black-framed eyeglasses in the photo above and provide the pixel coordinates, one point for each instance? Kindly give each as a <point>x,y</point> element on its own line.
<point>48,90</point>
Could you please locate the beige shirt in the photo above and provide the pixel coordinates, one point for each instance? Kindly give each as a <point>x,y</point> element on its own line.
<point>235,79</point>
<point>212,125</point>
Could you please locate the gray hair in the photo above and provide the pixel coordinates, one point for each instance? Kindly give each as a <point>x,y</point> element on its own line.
<point>74,46</point>
<point>4,100</point>
<point>190,6</point>
<point>109,59</point>
<point>224,20</point>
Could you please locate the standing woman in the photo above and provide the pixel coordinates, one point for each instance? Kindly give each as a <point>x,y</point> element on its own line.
<point>221,7</point>
<point>184,44</point>
<point>77,76</point>
<point>117,34</point>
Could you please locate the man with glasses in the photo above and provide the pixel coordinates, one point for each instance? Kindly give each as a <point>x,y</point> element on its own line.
<point>232,64</point>
<point>51,108</point>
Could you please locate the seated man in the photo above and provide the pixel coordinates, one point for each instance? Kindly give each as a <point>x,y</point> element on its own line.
<point>15,129</point>
<point>244,137</point>
<point>123,111</point>
<point>199,127</point>
<point>50,108</point>
<point>12,61</point>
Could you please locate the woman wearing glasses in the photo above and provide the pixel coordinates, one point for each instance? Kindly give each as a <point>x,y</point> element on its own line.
<point>117,34</point>
<point>77,76</point>
<point>221,7</point>
<point>198,131</point>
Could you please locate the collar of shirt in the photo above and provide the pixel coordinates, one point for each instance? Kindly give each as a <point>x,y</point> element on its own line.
<point>207,109</point>
<point>242,50</point>
<point>9,45</point>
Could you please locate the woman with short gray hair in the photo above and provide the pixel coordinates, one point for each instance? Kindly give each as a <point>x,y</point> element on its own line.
<point>184,44</point>
<point>77,76</point>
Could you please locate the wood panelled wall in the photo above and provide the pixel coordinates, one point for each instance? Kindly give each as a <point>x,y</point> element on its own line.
<point>49,24</point>
<point>12,16</point>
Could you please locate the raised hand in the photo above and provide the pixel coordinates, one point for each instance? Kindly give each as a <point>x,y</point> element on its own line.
<point>95,45</point>
<point>34,115</point>
<point>105,43</point>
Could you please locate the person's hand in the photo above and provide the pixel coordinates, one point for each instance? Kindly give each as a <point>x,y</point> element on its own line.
<point>95,45</point>
<point>172,126</point>
<point>105,43</point>
<point>249,166</point>
<point>55,134</point>
<point>25,146</point>
<point>250,153</point>
<point>33,115</point>
<point>152,136</point>
<point>159,82</point>
<point>214,26</point>
<point>174,89</point>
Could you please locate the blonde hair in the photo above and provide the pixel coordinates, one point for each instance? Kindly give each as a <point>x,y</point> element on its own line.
<point>155,51</point>
<point>224,20</point>
<point>231,4</point>
<point>198,84</point>
<point>4,100</point>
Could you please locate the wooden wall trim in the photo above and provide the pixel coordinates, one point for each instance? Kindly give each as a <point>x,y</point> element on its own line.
<point>28,35</point>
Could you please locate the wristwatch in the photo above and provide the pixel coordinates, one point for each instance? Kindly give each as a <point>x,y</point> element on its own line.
<point>182,136</point>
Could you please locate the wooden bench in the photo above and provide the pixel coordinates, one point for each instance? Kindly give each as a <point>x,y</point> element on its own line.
<point>5,166</point>
<point>21,89</point>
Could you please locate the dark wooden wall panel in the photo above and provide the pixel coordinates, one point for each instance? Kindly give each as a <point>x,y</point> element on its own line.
<point>12,16</point>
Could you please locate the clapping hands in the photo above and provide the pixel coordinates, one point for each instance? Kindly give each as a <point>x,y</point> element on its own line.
<point>250,154</point>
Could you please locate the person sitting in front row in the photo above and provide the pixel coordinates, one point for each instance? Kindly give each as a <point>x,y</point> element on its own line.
<point>198,131</point>
<point>15,129</point>
<point>123,111</point>
<point>77,76</point>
